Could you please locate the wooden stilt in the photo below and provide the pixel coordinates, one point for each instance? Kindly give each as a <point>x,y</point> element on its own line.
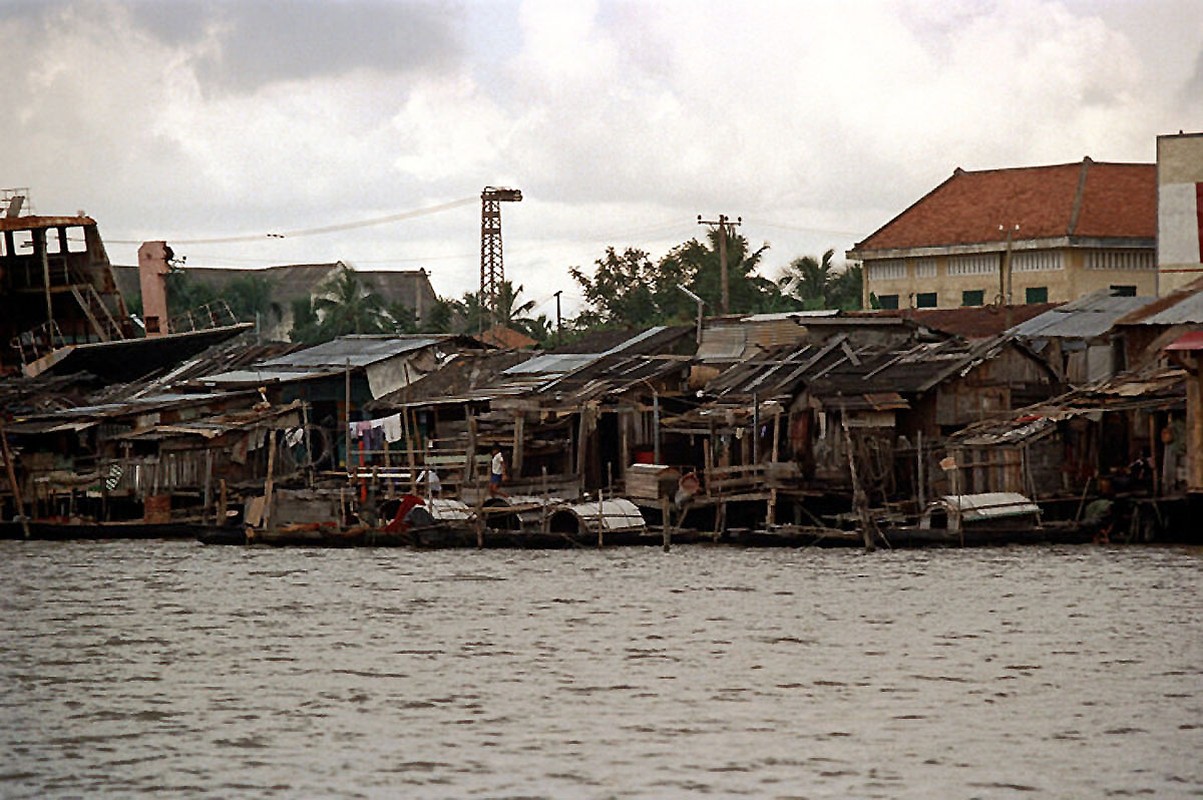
<point>666,534</point>
<point>12,482</point>
<point>268,485</point>
<point>860,501</point>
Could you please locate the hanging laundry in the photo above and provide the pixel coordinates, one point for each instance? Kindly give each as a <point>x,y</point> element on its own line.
<point>392,428</point>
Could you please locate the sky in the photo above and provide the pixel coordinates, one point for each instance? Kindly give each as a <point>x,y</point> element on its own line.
<point>237,131</point>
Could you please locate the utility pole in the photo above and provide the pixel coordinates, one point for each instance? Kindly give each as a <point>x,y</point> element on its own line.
<point>723,223</point>
<point>1004,275</point>
<point>559,326</point>
<point>492,268</point>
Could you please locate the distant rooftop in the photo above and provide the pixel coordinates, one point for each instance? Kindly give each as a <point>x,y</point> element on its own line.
<point>1089,199</point>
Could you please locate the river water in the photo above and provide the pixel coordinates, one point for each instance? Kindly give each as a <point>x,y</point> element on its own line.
<point>180,670</point>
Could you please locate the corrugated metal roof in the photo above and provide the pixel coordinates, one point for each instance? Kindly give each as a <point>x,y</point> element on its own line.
<point>552,364</point>
<point>1084,318</point>
<point>358,350</point>
<point>722,343</point>
<point>239,377</point>
<point>634,340</point>
<point>1187,311</point>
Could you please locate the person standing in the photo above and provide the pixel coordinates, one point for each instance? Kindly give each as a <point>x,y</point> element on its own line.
<point>497,471</point>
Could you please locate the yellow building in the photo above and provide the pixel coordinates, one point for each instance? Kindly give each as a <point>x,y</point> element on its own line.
<point>1015,236</point>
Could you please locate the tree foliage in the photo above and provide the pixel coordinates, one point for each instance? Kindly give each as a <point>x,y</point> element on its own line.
<point>629,289</point>
<point>816,284</point>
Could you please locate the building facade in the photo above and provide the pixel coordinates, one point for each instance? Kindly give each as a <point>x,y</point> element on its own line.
<point>1179,210</point>
<point>1017,236</point>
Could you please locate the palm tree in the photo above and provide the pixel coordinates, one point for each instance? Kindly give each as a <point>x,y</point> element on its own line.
<point>816,284</point>
<point>806,279</point>
<point>351,306</point>
<point>509,311</point>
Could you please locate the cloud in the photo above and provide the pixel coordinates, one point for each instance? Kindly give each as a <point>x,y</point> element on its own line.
<point>259,42</point>
<point>619,121</point>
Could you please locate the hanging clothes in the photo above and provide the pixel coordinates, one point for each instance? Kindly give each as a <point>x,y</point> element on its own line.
<point>393,431</point>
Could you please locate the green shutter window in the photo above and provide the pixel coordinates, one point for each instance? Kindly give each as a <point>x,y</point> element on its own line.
<point>925,300</point>
<point>973,297</point>
<point>1035,294</point>
<point>888,300</point>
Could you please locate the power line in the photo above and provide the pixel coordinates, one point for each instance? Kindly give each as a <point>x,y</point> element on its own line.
<point>344,226</point>
<point>770,224</point>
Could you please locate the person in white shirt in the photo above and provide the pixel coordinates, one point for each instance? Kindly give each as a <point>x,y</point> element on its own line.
<point>497,471</point>
<point>428,482</point>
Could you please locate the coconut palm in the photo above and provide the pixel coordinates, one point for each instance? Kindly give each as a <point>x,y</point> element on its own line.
<point>349,305</point>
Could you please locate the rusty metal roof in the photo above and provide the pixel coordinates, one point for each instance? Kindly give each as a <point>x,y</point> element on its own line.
<point>32,222</point>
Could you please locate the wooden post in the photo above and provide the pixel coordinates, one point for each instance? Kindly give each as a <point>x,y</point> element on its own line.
<point>222,502</point>
<point>308,443</point>
<point>12,481</point>
<point>470,453</point>
<point>1152,464</point>
<point>268,486</point>
<point>666,528</point>
<point>755,428</point>
<point>582,443</point>
<point>518,448</point>
<point>601,520</point>
<point>1194,419</point>
<point>347,416</point>
<point>920,475</point>
<point>208,483</point>
<point>860,501</point>
<point>624,451</point>
<point>545,521</point>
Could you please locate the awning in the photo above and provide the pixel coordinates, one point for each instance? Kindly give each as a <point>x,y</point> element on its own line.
<point>1187,341</point>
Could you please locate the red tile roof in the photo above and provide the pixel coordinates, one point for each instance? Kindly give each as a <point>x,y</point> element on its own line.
<point>1087,199</point>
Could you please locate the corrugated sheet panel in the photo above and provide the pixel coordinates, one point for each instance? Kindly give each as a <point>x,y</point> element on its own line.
<point>777,332</point>
<point>722,343</point>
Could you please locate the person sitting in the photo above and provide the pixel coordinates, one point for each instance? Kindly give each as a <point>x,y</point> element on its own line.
<point>429,483</point>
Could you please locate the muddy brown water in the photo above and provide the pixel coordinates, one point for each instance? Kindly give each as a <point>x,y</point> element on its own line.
<point>168,668</point>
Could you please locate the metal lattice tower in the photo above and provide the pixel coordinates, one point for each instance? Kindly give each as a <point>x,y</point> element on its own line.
<point>492,267</point>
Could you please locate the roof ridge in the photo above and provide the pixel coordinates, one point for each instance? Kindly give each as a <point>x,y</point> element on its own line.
<point>1076,211</point>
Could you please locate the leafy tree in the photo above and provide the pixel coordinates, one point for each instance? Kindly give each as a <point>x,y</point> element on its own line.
<point>469,314</point>
<point>846,288</point>
<point>306,325</point>
<point>250,299</point>
<point>401,318</point>
<point>441,316</point>
<point>623,291</point>
<point>350,306</point>
<point>472,314</point>
<point>184,293</point>
<point>697,266</point>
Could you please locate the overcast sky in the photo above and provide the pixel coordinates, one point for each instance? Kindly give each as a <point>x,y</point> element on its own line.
<point>619,121</point>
